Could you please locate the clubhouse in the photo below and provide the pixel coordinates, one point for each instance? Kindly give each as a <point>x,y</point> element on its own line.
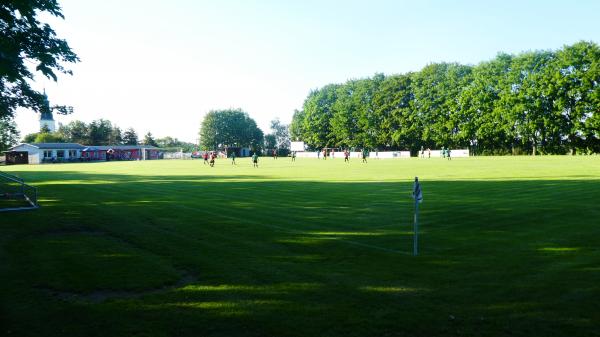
<point>39,153</point>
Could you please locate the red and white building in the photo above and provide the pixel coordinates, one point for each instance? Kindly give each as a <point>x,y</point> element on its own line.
<point>120,152</point>
<point>39,153</point>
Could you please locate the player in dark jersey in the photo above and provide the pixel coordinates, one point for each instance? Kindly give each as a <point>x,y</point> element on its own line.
<point>213,156</point>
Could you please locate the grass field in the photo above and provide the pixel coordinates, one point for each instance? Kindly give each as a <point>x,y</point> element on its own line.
<point>509,247</point>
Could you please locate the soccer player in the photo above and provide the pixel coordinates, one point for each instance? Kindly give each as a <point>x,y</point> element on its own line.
<point>205,156</point>
<point>255,160</point>
<point>275,154</point>
<point>213,156</point>
<point>233,158</point>
<point>429,152</point>
<point>293,155</point>
<point>346,156</point>
<point>448,153</point>
<point>324,154</point>
<point>364,155</point>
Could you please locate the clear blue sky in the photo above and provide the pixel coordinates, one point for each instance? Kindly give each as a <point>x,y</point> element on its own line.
<point>160,65</point>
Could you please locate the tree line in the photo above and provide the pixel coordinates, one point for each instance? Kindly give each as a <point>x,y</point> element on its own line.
<point>103,132</point>
<point>98,132</point>
<point>534,102</point>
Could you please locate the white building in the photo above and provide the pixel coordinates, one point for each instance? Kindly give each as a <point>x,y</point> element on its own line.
<point>38,153</point>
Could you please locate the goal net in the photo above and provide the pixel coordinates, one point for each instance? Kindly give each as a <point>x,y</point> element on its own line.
<point>15,194</point>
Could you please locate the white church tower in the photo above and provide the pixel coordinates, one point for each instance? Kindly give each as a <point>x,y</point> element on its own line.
<point>46,118</point>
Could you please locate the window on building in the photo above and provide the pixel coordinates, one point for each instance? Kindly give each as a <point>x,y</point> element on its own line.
<point>47,154</point>
<point>72,153</point>
<point>60,153</point>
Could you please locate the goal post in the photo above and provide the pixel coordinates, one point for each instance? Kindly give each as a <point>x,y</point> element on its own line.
<point>15,194</point>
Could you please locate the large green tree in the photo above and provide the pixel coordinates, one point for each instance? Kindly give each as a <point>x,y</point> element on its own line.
<point>130,137</point>
<point>116,136</point>
<point>344,129</point>
<point>483,124</point>
<point>9,135</point>
<point>436,89</point>
<point>392,102</point>
<point>281,132</point>
<point>270,141</point>
<point>523,102</point>
<point>100,132</point>
<point>149,140</point>
<point>575,87</point>
<point>297,126</point>
<point>76,132</point>
<point>49,137</point>
<point>368,119</point>
<point>26,41</point>
<point>228,128</point>
<point>317,114</point>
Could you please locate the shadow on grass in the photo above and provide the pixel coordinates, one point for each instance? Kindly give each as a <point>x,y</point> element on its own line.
<point>287,258</point>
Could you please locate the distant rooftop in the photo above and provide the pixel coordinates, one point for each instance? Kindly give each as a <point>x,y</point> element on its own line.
<point>75,146</point>
<point>118,147</point>
<point>51,146</point>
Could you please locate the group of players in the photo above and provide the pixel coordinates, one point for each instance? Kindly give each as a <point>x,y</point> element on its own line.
<point>209,157</point>
<point>445,153</point>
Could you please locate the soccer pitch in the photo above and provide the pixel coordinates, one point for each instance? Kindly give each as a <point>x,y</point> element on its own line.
<point>509,246</point>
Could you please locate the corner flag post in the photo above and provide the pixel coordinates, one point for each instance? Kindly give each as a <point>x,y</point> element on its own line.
<point>418,196</point>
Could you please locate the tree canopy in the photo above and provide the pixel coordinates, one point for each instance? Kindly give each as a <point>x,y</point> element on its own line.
<point>9,135</point>
<point>229,128</point>
<point>130,137</point>
<point>149,140</point>
<point>175,144</point>
<point>281,133</point>
<point>25,41</point>
<point>98,132</point>
<point>539,101</point>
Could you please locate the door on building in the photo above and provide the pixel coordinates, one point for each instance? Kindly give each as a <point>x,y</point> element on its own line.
<point>17,157</point>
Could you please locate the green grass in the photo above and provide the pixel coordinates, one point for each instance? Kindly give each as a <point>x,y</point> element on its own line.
<point>509,247</point>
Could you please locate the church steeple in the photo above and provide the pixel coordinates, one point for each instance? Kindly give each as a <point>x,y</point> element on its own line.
<point>46,118</point>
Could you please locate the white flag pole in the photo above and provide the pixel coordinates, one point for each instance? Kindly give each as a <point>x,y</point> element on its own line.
<point>418,196</point>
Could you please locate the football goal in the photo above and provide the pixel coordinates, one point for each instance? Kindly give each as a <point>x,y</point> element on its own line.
<point>15,194</point>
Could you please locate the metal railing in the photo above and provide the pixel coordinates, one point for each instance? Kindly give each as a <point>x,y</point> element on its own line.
<point>15,188</point>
